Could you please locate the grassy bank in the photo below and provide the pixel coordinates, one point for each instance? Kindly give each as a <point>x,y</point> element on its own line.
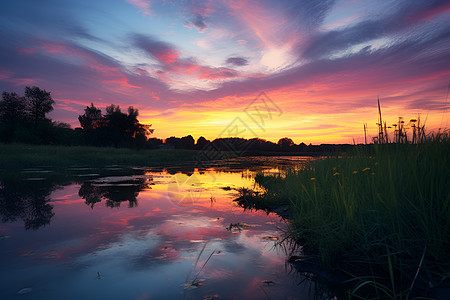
<point>378,216</point>
<point>17,156</point>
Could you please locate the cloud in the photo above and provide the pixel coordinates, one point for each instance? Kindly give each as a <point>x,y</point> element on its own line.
<point>390,46</point>
<point>143,5</point>
<point>308,13</point>
<point>48,19</point>
<point>400,66</point>
<point>163,52</point>
<point>73,72</point>
<point>394,25</point>
<point>325,43</point>
<point>237,61</point>
<point>200,11</point>
<point>174,65</point>
<point>199,22</point>
<point>216,73</point>
<point>420,11</point>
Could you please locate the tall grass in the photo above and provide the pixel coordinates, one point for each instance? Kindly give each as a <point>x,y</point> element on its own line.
<point>16,156</point>
<point>373,214</point>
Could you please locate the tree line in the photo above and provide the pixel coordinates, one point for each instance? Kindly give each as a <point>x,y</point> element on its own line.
<point>23,119</point>
<point>241,146</point>
<point>115,128</point>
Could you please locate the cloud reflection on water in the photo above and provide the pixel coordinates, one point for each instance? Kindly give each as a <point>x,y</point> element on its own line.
<point>151,246</point>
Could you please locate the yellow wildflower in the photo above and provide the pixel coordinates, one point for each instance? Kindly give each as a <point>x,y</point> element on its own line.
<point>355,172</point>
<point>336,174</point>
<point>366,169</point>
<point>312,178</point>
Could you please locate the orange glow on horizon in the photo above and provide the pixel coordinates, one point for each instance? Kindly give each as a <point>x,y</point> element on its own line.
<point>339,121</point>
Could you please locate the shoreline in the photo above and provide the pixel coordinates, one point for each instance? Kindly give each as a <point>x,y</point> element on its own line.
<point>336,281</point>
<point>371,215</point>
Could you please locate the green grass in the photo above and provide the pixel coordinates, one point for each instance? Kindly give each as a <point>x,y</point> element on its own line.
<point>19,156</point>
<point>373,214</point>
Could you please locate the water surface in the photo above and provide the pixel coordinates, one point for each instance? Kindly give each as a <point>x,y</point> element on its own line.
<point>136,233</point>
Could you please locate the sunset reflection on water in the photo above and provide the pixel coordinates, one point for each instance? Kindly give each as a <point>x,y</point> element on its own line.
<point>149,246</point>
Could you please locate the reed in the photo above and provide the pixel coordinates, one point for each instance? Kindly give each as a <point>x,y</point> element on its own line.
<point>372,213</point>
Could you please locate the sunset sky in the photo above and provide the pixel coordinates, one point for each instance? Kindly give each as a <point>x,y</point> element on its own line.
<point>192,67</point>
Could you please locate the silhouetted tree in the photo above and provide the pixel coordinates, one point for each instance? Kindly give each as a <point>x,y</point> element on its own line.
<point>173,141</point>
<point>302,147</point>
<point>231,144</point>
<point>114,128</point>
<point>27,202</point>
<point>39,103</point>
<point>201,143</point>
<point>12,113</point>
<point>135,129</point>
<point>23,119</point>
<point>261,145</point>
<point>120,125</point>
<point>153,143</point>
<point>285,143</point>
<point>12,108</point>
<point>92,118</point>
<point>114,194</point>
<point>187,142</point>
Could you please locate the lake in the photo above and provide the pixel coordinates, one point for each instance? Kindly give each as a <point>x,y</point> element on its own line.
<point>143,233</point>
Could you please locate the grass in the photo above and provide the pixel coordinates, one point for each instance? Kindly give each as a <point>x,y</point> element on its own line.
<point>19,156</point>
<point>380,215</point>
<point>195,281</point>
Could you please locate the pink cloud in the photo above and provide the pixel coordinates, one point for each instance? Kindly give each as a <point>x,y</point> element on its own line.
<point>201,10</point>
<point>119,80</point>
<point>168,57</point>
<point>58,48</point>
<point>163,52</point>
<point>266,25</point>
<point>23,81</point>
<point>5,74</point>
<point>111,75</point>
<point>143,5</point>
<point>9,76</point>
<point>202,72</point>
<point>174,65</point>
<point>26,50</point>
<point>430,13</point>
<point>78,102</point>
<point>66,107</point>
<point>216,73</point>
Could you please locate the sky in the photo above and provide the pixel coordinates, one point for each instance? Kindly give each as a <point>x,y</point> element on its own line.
<point>310,70</point>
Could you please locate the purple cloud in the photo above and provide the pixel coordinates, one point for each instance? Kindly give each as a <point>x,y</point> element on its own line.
<point>199,22</point>
<point>237,61</point>
<point>163,52</point>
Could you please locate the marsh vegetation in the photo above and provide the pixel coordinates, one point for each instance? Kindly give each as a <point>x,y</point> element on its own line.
<point>379,215</point>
